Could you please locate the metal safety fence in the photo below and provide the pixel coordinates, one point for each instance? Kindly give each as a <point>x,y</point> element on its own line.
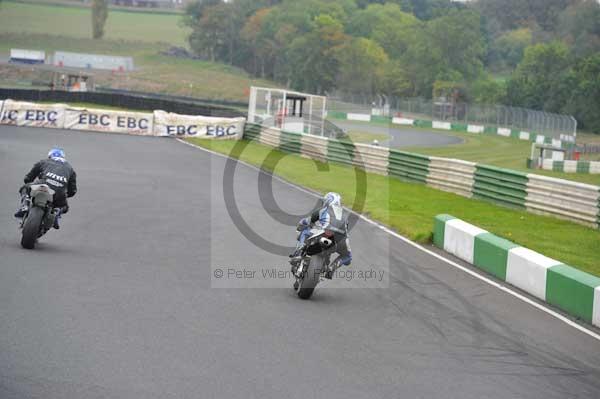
<point>442,109</point>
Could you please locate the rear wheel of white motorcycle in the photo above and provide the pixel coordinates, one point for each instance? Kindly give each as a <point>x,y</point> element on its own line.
<point>311,278</point>
<point>31,227</point>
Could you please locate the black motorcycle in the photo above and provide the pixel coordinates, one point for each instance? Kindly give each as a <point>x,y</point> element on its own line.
<point>314,262</point>
<point>40,214</point>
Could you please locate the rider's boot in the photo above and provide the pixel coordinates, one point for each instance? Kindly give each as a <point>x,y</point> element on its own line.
<point>56,219</point>
<point>23,209</point>
<point>331,269</point>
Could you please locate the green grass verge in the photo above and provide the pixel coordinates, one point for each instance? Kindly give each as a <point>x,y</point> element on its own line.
<point>409,208</point>
<point>154,72</point>
<point>366,137</point>
<point>76,22</point>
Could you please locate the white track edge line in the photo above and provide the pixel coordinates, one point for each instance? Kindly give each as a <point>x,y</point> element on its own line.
<point>504,288</point>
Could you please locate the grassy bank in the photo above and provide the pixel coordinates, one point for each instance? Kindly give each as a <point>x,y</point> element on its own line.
<point>141,35</point>
<point>154,72</point>
<point>409,208</point>
<point>76,22</point>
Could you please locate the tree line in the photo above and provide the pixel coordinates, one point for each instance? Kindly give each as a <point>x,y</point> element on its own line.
<point>540,54</point>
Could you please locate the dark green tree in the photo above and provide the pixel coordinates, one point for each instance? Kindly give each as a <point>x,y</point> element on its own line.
<point>540,80</point>
<point>99,16</point>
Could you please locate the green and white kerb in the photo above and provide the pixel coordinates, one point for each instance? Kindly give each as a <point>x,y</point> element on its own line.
<point>575,292</point>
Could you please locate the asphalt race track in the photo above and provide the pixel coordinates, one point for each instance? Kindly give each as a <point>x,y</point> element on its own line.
<point>402,137</point>
<point>119,304</point>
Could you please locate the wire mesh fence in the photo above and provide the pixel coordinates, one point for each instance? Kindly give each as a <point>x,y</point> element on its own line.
<point>441,109</point>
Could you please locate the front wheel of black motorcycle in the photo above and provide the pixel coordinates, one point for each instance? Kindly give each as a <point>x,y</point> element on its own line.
<point>31,227</point>
<point>311,277</point>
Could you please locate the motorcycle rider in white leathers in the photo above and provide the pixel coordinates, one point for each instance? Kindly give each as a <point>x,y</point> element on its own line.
<point>330,216</point>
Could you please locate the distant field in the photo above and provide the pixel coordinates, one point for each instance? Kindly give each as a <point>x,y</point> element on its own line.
<point>76,22</point>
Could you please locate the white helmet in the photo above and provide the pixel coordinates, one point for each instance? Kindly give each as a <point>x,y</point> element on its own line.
<point>332,199</point>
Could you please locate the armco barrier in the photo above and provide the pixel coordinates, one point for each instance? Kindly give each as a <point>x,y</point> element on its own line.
<point>290,142</point>
<point>340,151</point>
<point>504,186</point>
<point>565,287</point>
<point>407,166</point>
<point>562,198</point>
<point>538,194</point>
<point>451,175</point>
<point>373,159</point>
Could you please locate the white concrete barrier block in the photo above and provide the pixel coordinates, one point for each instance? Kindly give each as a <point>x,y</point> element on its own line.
<point>540,139</point>
<point>441,125</point>
<point>502,131</point>
<point>527,270</point>
<point>548,164</point>
<point>475,128</point>
<point>359,117</point>
<point>556,143</point>
<point>558,156</point>
<point>594,167</point>
<point>524,135</point>
<point>459,238</point>
<point>596,311</point>
<point>403,121</point>
<point>569,166</point>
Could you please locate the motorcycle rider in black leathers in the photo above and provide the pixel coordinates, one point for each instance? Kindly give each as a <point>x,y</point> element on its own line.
<point>58,175</point>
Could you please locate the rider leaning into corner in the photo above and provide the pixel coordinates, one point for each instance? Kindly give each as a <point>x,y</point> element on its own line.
<point>330,216</point>
<point>59,176</point>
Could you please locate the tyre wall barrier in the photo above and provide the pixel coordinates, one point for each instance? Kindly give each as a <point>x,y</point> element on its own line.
<point>567,288</point>
<point>576,202</point>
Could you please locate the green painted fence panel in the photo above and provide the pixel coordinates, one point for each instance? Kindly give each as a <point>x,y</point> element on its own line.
<point>548,140</point>
<point>405,165</point>
<point>571,290</point>
<point>421,123</point>
<point>500,185</point>
<point>490,130</point>
<point>490,253</point>
<point>583,167</point>
<point>515,134</point>
<point>340,151</point>
<point>337,115</point>
<point>532,137</point>
<point>439,228</point>
<point>558,166</point>
<point>458,127</point>
<point>252,131</point>
<point>290,142</point>
<point>381,119</point>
